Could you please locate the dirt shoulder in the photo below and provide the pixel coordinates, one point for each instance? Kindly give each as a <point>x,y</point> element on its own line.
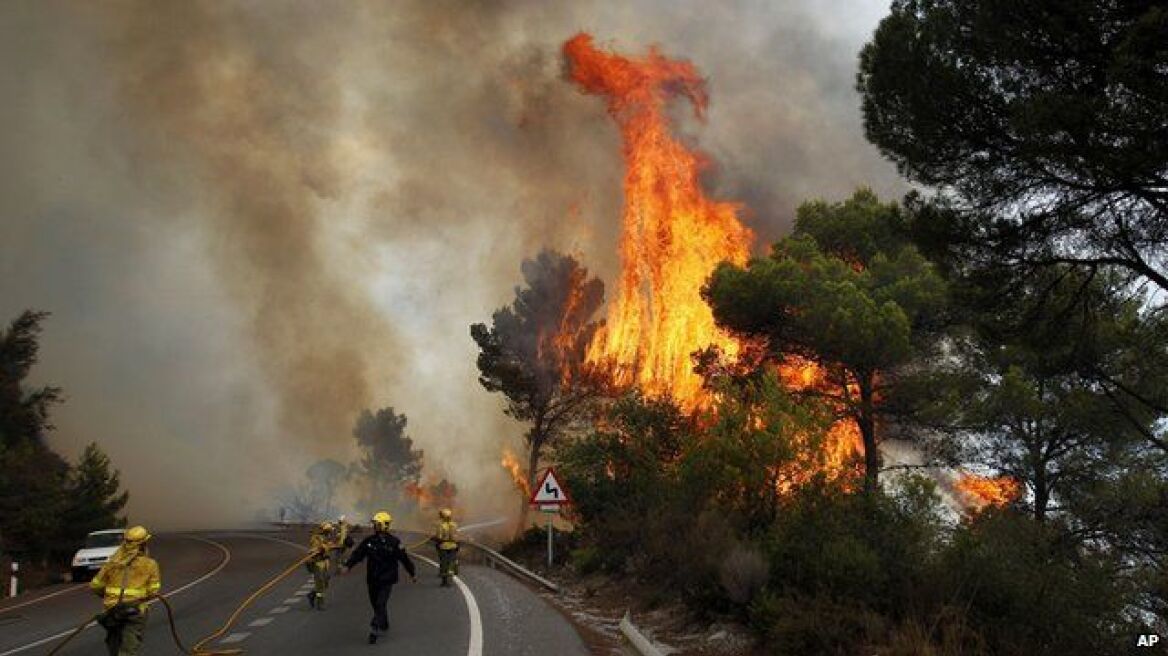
<point>596,603</point>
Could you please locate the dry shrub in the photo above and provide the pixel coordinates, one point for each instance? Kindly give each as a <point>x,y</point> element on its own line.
<point>744,572</point>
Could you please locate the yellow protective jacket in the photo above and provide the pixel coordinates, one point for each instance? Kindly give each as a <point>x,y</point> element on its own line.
<point>127,577</point>
<point>320,544</point>
<point>342,535</point>
<point>446,535</point>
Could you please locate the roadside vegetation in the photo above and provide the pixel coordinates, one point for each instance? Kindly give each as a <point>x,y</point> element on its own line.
<point>47,504</point>
<point>1005,325</point>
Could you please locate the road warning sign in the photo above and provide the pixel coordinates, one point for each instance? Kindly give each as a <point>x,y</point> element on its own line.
<point>549,492</point>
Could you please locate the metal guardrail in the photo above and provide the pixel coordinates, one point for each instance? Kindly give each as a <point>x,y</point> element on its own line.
<point>514,566</point>
<point>638,639</point>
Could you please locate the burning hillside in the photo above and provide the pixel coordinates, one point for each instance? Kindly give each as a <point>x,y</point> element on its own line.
<point>673,236</point>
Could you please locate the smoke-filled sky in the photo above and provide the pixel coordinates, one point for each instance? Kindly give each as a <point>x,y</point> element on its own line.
<point>250,220</point>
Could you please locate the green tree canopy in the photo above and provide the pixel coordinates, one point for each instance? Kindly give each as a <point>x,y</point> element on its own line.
<point>389,459</point>
<point>1027,411</point>
<point>95,497</point>
<point>24,411</point>
<point>1046,119</point>
<point>32,488</point>
<point>843,293</point>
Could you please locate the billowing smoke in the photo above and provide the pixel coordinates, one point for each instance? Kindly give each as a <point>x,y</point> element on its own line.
<point>254,219</point>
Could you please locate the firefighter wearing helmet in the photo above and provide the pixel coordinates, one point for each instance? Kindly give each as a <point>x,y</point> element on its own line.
<point>343,543</point>
<point>320,544</point>
<point>125,583</point>
<point>445,539</point>
<point>383,553</point>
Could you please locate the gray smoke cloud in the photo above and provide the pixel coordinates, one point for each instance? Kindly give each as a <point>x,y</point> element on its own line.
<point>253,219</point>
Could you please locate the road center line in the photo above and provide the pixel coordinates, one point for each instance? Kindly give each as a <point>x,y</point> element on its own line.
<point>213,572</point>
<point>475,646</point>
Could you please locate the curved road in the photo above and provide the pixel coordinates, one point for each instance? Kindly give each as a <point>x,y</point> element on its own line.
<point>207,574</point>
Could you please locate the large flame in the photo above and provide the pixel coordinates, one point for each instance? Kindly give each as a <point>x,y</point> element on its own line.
<point>980,492</point>
<point>672,238</point>
<point>673,235</point>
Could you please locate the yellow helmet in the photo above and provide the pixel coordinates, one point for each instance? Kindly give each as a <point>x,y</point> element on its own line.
<point>445,513</point>
<point>382,520</point>
<point>136,535</point>
<point>326,527</point>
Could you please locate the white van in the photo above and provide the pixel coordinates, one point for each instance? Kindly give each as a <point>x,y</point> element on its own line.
<point>99,546</point>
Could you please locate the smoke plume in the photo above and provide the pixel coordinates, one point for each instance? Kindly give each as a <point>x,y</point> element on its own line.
<point>252,220</point>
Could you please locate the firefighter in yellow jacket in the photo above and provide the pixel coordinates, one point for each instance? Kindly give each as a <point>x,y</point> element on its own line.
<point>321,544</point>
<point>124,584</point>
<point>445,538</point>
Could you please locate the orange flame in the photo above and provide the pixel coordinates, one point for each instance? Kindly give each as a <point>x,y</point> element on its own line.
<point>843,444</point>
<point>673,235</point>
<point>432,495</point>
<point>511,464</point>
<point>419,494</point>
<point>980,492</point>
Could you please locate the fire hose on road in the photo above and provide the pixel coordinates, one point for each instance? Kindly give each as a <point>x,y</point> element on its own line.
<point>200,648</point>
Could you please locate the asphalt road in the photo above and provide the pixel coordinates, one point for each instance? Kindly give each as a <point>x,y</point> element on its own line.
<point>206,575</point>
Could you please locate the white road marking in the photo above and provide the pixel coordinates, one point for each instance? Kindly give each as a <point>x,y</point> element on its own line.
<point>475,645</point>
<point>262,621</point>
<point>213,572</point>
<point>43,597</point>
<point>275,611</point>
<point>235,637</point>
<point>292,600</point>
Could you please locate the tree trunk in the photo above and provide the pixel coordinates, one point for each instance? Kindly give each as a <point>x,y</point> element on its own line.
<point>536,446</point>
<point>1041,493</point>
<point>866,421</point>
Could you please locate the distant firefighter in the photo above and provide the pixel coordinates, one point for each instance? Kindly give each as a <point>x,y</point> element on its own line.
<point>124,584</point>
<point>445,539</point>
<point>343,543</point>
<point>321,544</point>
<point>384,553</point>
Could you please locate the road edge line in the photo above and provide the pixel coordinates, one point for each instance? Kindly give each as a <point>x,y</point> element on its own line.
<point>475,644</point>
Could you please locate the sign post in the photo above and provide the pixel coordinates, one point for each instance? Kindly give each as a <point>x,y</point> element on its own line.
<point>550,496</point>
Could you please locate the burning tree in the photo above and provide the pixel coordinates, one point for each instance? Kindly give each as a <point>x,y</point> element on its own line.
<point>534,351</point>
<point>433,495</point>
<point>844,294</point>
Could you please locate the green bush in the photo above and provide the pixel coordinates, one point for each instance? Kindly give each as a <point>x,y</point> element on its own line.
<point>796,624</point>
<point>1032,588</point>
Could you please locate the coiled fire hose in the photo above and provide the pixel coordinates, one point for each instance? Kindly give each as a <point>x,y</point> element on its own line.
<point>200,649</point>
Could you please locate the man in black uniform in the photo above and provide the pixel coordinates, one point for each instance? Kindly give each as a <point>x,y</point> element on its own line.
<point>384,552</point>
